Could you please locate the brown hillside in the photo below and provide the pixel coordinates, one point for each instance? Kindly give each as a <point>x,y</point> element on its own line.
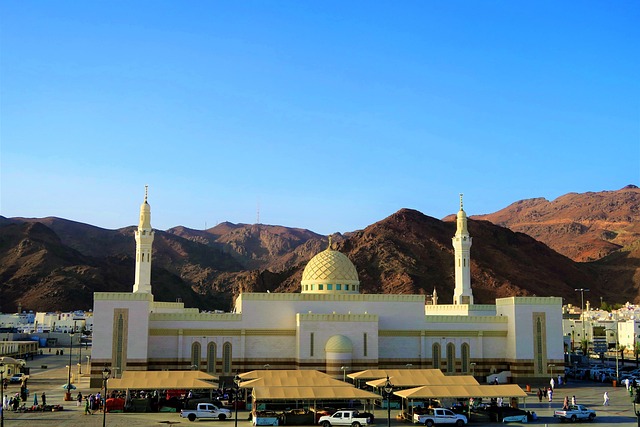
<point>584,227</point>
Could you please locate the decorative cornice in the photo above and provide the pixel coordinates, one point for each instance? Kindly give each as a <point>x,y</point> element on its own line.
<point>259,296</point>
<point>529,301</point>
<point>195,316</point>
<point>122,296</point>
<point>336,317</point>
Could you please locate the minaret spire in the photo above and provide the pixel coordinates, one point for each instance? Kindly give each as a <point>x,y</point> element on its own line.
<point>462,293</point>
<point>144,242</point>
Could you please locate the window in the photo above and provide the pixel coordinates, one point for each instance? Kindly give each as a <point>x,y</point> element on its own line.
<point>451,357</point>
<point>320,287</point>
<point>311,344</point>
<point>365,344</point>
<point>329,287</point>
<point>226,358</point>
<point>465,357</point>
<point>338,287</point>
<point>435,355</point>
<point>196,355</point>
<point>211,357</point>
<point>346,287</point>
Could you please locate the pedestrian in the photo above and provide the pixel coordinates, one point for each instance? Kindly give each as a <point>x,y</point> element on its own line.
<point>86,407</point>
<point>539,394</point>
<point>552,383</point>
<point>550,394</point>
<point>78,399</point>
<point>565,404</point>
<point>603,377</point>
<point>559,380</point>
<point>606,398</point>
<point>573,400</point>
<point>44,399</point>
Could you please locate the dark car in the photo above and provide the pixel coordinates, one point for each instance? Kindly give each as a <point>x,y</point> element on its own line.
<point>17,378</point>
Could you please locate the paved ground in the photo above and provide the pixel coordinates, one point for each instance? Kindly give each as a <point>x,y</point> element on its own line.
<point>50,380</point>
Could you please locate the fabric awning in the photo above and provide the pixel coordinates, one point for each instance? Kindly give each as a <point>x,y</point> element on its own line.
<point>462,391</point>
<point>286,381</point>
<point>430,380</point>
<point>311,393</point>
<point>162,380</point>
<point>282,373</point>
<point>372,374</point>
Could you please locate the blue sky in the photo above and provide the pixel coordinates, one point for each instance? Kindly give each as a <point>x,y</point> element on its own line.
<point>327,115</point>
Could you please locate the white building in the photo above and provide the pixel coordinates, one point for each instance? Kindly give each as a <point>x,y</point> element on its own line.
<point>328,325</point>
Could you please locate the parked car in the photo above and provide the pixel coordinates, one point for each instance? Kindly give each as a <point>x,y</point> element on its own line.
<point>17,378</point>
<point>574,413</point>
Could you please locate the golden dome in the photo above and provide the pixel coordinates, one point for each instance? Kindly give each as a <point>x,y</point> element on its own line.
<point>330,272</point>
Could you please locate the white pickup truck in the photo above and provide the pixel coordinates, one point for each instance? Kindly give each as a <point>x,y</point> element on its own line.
<point>205,410</point>
<point>574,413</point>
<point>345,417</point>
<point>437,416</point>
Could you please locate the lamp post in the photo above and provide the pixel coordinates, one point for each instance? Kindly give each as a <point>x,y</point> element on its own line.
<point>551,366</point>
<point>344,373</point>
<point>388,389</point>
<point>616,349</point>
<point>67,395</point>
<point>473,369</point>
<point>2,394</point>
<point>106,373</point>
<point>636,401</point>
<point>237,381</point>
<point>582,291</point>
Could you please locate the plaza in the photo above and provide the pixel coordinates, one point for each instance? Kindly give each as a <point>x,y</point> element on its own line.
<point>50,380</point>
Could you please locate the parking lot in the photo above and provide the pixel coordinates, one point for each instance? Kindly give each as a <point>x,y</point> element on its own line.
<point>619,413</point>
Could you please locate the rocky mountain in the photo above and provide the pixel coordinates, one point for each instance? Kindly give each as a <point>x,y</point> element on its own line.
<point>583,227</point>
<point>54,264</point>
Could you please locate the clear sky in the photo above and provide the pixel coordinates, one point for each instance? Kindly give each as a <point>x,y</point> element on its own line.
<point>327,115</point>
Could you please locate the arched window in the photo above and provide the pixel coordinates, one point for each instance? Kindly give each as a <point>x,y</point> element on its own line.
<point>451,357</point>
<point>435,355</point>
<point>196,355</point>
<point>465,357</point>
<point>211,357</point>
<point>226,358</point>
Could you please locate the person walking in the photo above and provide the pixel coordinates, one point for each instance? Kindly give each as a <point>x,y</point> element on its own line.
<point>573,400</point>
<point>606,399</point>
<point>78,399</point>
<point>44,399</point>
<point>86,407</point>
<point>540,393</point>
<point>550,394</point>
<point>552,383</point>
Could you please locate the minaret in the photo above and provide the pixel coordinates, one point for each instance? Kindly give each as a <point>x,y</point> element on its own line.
<point>144,242</point>
<point>434,297</point>
<point>462,244</point>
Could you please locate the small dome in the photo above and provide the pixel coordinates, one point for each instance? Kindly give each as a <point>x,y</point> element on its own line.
<point>338,344</point>
<point>330,272</point>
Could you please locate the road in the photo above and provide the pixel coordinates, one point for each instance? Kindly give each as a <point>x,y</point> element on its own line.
<point>50,380</point>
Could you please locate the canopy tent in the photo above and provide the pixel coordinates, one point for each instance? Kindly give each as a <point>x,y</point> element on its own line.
<point>311,393</point>
<point>462,391</point>
<point>286,381</point>
<point>282,373</point>
<point>372,374</point>
<point>162,380</point>
<point>404,381</point>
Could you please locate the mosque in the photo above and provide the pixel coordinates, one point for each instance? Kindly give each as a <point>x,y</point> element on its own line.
<point>328,326</point>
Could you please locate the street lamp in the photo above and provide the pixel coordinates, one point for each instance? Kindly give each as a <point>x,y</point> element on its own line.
<point>551,366</point>
<point>67,395</point>
<point>344,373</point>
<point>2,394</point>
<point>473,368</point>
<point>106,373</point>
<point>388,389</point>
<point>582,291</point>
<point>237,380</point>
<point>616,349</point>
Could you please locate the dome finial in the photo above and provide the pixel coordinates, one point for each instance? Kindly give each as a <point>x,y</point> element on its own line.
<point>330,243</point>
<point>461,201</point>
<point>146,193</point>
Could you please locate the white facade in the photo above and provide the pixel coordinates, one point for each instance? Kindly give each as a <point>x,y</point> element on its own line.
<point>329,324</point>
